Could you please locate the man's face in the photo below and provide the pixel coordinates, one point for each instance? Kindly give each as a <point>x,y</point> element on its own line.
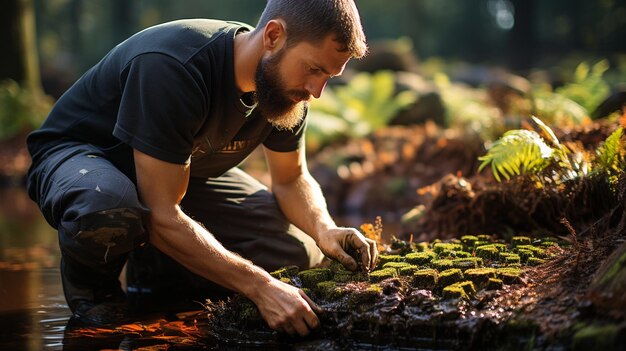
<point>287,79</point>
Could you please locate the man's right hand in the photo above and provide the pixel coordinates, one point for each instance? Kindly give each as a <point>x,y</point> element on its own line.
<point>286,308</point>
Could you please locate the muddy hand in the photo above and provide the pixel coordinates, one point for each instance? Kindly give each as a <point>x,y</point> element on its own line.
<point>335,243</point>
<point>286,308</point>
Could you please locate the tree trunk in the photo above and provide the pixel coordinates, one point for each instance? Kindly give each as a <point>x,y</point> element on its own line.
<point>19,60</point>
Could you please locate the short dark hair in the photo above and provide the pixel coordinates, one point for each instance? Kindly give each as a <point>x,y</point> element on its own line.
<point>314,20</point>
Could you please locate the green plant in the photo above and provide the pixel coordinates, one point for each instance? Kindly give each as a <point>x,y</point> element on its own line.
<point>518,151</point>
<point>612,155</point>
<point>21,109</point>
<point>469,109</point>
<point>365,104</point>
<point>588,88</point>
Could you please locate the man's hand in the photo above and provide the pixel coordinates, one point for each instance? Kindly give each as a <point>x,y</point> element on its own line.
<point>286,308</point>
<point>335,242</point>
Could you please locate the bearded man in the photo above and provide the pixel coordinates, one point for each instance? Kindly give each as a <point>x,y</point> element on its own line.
<point>136,163</point>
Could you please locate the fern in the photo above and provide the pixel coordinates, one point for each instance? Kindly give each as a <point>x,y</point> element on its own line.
<point>516,152</point>
<point>589,88</point>
<point>612,155</point>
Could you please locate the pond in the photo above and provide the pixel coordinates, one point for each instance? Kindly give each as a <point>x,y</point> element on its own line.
<point>33,312</point>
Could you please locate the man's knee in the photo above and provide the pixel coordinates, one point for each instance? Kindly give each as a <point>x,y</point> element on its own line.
<point>102,218</point>
<point>97,237</point>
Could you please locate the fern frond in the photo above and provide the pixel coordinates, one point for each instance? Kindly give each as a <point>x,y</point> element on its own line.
<point>516,152</point>
<point>544,127</point>
<point>612,153</point>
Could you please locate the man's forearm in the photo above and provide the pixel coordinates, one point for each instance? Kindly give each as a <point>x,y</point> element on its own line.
<point>304,205</point>
<point>187,242</point>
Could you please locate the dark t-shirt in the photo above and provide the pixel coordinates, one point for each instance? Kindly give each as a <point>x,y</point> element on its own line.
<point>169,92</point>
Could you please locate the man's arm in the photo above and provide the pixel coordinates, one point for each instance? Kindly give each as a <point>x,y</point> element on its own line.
<point>301,200</point>
<point>162,186</point>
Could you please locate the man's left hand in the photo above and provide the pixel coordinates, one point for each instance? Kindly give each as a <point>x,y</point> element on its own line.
<point>335,242</point>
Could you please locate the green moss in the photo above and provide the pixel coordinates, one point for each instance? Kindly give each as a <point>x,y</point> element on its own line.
<point>396,265</point>
<point>520,240</point>
<point>286,280</point>
<point>420,258</point>
<point>509,258</point>
<point>311,277</point>
<point>344,277</point>
<point>449,277</point>
<point>382,259</point>
<point>425,279</point>
<point>441,248</point>
<point>480,276</point>
<point>487,252</point>
<point>537,251</point>
<point>525,255</point>
<point>494,284</point>
<point>382,274</point>
<point>442,264</point>
<point>501,247</point>
<point>329,290</point>
<point>455,291</point>
<point>480,243</point>
<point>285,272</point>
<point>358,298</point>
<point>408,270</point>
<point>466,263</point>
<point>468,287</point>
<point>509,275</point>
<point>469,240</point>
<point>336,266</point>
<point>534,261</point>
<point>460,254</point>
<point>248,310</point>
<point>597,337</point>
<point>484,237</point>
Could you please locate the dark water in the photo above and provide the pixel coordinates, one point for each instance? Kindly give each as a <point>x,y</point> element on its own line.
<point>33,313</point>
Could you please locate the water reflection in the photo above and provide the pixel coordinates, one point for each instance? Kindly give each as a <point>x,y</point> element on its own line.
<point>33,312</point>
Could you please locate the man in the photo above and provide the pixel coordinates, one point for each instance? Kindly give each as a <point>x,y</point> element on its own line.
<point>138,158</point>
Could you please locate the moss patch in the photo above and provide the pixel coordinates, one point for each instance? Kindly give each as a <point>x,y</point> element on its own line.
<point>466,263</point>
<point>311,277</point>
<point>449,277</point>
<point>382,274</point>
<point>420,258</point>
<point>425,279</point>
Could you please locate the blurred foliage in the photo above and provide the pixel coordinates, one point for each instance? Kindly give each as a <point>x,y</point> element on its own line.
<point>21,109</point>
<point>588,88</point>
<point>469,109</point>
<point>363,105</point>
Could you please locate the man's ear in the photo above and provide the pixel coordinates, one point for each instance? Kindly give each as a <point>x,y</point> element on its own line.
<point>274,35</point>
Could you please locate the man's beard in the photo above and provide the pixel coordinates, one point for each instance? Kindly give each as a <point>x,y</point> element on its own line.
<point>274,101</point>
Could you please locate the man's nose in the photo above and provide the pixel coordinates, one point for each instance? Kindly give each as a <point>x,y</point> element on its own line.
<point>315,87</point>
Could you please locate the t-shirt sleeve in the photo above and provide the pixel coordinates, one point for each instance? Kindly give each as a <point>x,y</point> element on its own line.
<point>161,108</point>
<point>286,140</point>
